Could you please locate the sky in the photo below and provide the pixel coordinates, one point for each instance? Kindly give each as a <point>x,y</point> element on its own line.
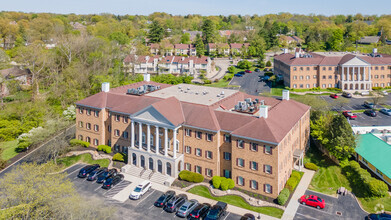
<point>203,7</point>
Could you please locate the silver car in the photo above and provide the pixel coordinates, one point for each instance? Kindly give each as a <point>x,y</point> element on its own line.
<point>385,111</point>
<point>187,208</point>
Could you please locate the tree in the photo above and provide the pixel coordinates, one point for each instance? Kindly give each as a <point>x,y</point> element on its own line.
<point>35,191</point>
<point>377,97</point>
<point>200,48</point>
<point>208,31</point>
<point>156,32</point>
<point>335,42</point>
<point>185,38</point>
<point>2,90</point>
<point>245,64</point>
<point>119,37</point>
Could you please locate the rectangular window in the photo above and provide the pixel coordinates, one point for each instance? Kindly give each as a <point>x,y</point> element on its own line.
<point>324,68</point>
<point>330,68</point>
<point>253,165</point>
<point>240,162</point>
<point>208,172</point>
<point>88,111</point>
<point>301,68</point>
<point>268,149</point>
<point>330,77</point>
<point>80,124</point>
<point>198,169</point>
<point>323,77</point>
<point>308,68</point>
<point>240,144</point>
<point>125,134</point>
<point>198,152</point>
<point>227,138</point>
<point>81,110</point>
<point>188,166</point>
<point>96,127</point>
<point>294,77</point>
<point>109,128</point>
<point>382,68</point>
<point>254,147</point>
<point>96,113</point>
<point>116,132</point>
<point>294,68</point>
<point>125,119</point>
<point>88,126</point>
<point>268,188</point>
<point>227,156</point>
<point>117,117</point>
<point>209,137</point>
<point>188,132</point>
<point>301,77</point>
<point>315,68</point>
<point>199,134</point>
<point>268,169</point>
<point>209,154</point>
<point>253,184</point>
<point>227,173</point>
<point>96,142</point>
<point>379,172</point>
<point>301,85</point>
<point>240,181</point>
<point>188,149</point>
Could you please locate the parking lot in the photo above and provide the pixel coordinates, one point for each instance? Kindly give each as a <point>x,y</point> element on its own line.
<point>343,207</point>
<point>130,209</point>
<point>251,83</point>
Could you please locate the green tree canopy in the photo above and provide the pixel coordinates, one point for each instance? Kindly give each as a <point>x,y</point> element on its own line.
<point>156,32</point>
<point>208,31</point>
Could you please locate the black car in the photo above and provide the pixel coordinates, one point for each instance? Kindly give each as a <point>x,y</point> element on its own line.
<point>103,176</point>
<point>217,211</point>
<point>200,211</point>
<point>112,181</point>
<point>94,174</point>
<point>175,203</point>
<point>370,112</point>
<point>382,216</point>
<point>163,199</point>
<point>87,170</point>
<point>248,216</point>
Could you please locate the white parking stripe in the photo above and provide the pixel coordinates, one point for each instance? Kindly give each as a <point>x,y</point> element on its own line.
<point>72,172</point>
<point>227,215</point>
<point>306,216</point>
<point>151,207</point>
<point>100,186</point>
<point>145,197</point>
<point>112,188</point>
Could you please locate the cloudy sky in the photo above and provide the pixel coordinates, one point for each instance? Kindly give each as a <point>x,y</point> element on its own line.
<point>203,7</point>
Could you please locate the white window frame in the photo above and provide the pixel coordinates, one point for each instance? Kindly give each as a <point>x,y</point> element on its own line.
<point>198,152</point>
<point>96,127</point>
<point>268,169</point>
<point>240,160</point>
<point>188,149</point>
<point>227,155</point>
<point>268,188</point>
<point>240,181</point>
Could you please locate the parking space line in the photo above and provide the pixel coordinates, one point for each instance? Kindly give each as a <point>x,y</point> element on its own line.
<point>145,198</point>
<point>315,209</point>
<point>100,186</point>
<point>227,215</point>
<point>72,172</point>
<point>306,216</point>
<point>112,187</point>
<point>151,207</point>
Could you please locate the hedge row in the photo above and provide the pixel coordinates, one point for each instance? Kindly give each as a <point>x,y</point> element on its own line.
<point>311,166</point>
<point>222,183</point>
<point>119,157</point>
<point>76,142</point>
<point>283,197</point>
<point>104,148</point>
<point>191,176</point>
<point>293,181</point>
<point>373,186</point>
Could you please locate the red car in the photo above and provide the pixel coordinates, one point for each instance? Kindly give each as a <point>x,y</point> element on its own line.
<point>248,71</point>
<point>312,200</point>
<point>349,114</point>
<point>334,96</point>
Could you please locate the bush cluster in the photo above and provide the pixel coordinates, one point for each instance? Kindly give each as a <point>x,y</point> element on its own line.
<point>76,142</point>
<point>377,88</point>
<point>311,166</point>
<point>222,183</point>
<point>335,89</point>
<point>293,181</point>
<point>119,157</point>
<point>191,176</point>
<point>283,196</point>
<point>104,148</point>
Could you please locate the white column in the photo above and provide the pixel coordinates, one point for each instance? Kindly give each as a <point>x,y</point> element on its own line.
<point>359,74</point>
<point>132,134</point>
<point>174,143</point>
<point>157,139</point>
<point>364,74</point>
<point>343,74</point>
<point>165,142</point>
<point>148,138</point>
<point>140,135</point>
<point>353,73</point>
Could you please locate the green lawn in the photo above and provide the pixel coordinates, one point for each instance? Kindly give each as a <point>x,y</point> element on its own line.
<point>236,201</point>
<point>9,149</point>
<point>86,158</point>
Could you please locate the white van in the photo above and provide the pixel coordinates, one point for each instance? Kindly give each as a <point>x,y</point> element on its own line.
<point>140,190</point>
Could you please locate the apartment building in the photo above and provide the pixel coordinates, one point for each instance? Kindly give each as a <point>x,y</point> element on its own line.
<point>176,65</point>
<point>256,141</point>
<point>173,50</point>
<point>218,49</point>
<point>347,71</point>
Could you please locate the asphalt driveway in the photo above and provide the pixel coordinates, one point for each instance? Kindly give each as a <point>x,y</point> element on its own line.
<point>251,83</point>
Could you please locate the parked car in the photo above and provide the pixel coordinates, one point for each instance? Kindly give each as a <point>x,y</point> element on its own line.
<point>248,216</point>
<point>385,93</point>
<point>369,104</point>
<point>385,111</point>
<point>175,202</point>
<point>349,115</point>
<point>382,216</point>
<point>103,176</point>
<point>140,190</point>
<point>370,112</point>
<point>257,70</point>
<point>217,211</point>
<point>112,181</point>
<point>187,208</point>
<point>87,170</point>
<point>334,96</point>
<point>163,199</point>
<point>94,174</point>
<point>238,75</point>
<point>312,200</point>
<point>199,212</point>
<point>347,94</point>
<point>248,71</point>
<point>266,69</point>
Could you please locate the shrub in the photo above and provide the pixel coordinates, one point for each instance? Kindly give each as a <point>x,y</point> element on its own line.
<point>283,197</point>
<point>377,88</point>
<point>191,176</point>
<point>224,184</point>
<point>377,187</point>
<point>311,166</point>
<point>291,184</point>
<point>216,181</point>
<point>207,81</point>
<point>119,157</point>
<point>76,142</point>
<point>296,175</point>
<point>104,148</point>
<point>268,63</point>
<point>231,184</point>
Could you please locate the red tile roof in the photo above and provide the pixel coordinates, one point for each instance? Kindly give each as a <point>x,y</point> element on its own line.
<point>182,46</point>
<point>154,46</point>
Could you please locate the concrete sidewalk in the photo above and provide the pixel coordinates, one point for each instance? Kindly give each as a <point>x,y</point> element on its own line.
<point>293,205</point>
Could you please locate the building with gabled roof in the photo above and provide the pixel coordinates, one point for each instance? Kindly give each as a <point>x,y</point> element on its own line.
<point>163,129</point>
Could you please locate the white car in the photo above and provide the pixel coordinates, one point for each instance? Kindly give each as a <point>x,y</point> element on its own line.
<point>140,190</point>
<point>385,93</point>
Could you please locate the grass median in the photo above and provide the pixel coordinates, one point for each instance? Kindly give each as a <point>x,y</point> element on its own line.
<point>85,158</point>
<point>237,201</point>
<point>9,149</point>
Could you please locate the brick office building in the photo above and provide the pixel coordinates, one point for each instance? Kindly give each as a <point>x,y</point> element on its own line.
<point>254,140</point>
<point>347,71</point>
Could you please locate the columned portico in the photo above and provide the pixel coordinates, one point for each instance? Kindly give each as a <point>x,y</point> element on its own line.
<point>355,75</point>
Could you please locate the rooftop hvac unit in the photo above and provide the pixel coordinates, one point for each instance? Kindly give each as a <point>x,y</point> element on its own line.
<point>244,107</point>
<point>196,93</point>
<point>222,92</point>
<point>257,100</point>
<point>218,95</point>
<point>262,102</point>
<point>179,87</point>
<point>237,108</point>
<point>248,100</point>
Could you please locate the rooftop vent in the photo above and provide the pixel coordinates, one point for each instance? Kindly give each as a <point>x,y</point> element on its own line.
<point>105,87</point>
<point>247,106</point>
<point>142,90</point>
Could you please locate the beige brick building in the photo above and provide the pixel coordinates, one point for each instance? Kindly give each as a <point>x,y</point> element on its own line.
<point>256,141</point>
<point>347,71</point>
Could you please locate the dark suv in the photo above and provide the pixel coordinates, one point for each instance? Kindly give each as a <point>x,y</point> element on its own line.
<point>175,203</point>
<point>200,211</point>
<point>103,176</point>
<point>217,211</point>
<point>163,199</point>
<point>87,170</point>
<point>94,174</point>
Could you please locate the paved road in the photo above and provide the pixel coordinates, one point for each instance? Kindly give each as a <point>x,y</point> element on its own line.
<point>251,83</point>
<point>346,206</point>
<point>130,209</point>
<point>223,64</point>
